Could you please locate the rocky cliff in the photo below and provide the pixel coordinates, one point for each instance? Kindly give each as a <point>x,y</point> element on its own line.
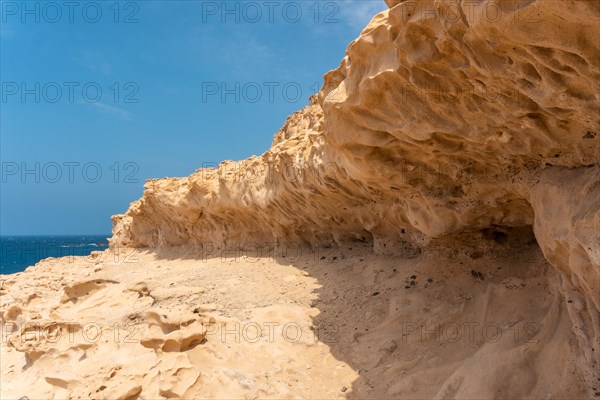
<point>428,227</point>
<point>444,117</point>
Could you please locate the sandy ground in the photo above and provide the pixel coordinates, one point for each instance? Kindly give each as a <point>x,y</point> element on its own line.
<point>327,323</point>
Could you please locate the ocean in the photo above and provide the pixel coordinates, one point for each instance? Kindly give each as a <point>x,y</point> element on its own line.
<point>20,252</point>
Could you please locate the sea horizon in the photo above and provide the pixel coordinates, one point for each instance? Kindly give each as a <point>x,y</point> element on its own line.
<point>55,234</point>
<point>18,252</point>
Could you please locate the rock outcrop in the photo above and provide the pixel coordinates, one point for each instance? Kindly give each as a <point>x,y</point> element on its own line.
<point>444,117</point>
<point>439,120</point>
<point>443,189</point>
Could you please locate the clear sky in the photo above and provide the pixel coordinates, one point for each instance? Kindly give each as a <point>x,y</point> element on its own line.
<point>97,97</point>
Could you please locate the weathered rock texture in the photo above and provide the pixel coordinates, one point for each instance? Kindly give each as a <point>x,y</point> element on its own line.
<point>435,122</point>
<point>444,117</point>
<point>455,322</point>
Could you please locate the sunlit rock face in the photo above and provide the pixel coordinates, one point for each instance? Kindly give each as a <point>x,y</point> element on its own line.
<point>444,117</point>
<point>475,104</point>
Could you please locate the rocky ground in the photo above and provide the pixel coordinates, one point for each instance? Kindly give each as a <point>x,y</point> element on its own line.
<point>484,321</point>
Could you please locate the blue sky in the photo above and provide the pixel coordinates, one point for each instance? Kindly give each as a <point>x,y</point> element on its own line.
<point>100,96</point>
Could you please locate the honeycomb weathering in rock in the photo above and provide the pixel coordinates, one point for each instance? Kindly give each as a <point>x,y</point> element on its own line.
<point>444,117</point>
<point>437,121</point>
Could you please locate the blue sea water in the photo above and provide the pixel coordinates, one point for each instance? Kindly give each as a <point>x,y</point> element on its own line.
<point>20,252</point>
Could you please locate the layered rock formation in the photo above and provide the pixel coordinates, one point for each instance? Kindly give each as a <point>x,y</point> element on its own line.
<point>444,117</point>
<point>438,121</point>
<point>448,122</point>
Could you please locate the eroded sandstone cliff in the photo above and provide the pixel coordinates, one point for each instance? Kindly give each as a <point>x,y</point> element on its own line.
<point>457,139</point>
<point>444,117</point>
